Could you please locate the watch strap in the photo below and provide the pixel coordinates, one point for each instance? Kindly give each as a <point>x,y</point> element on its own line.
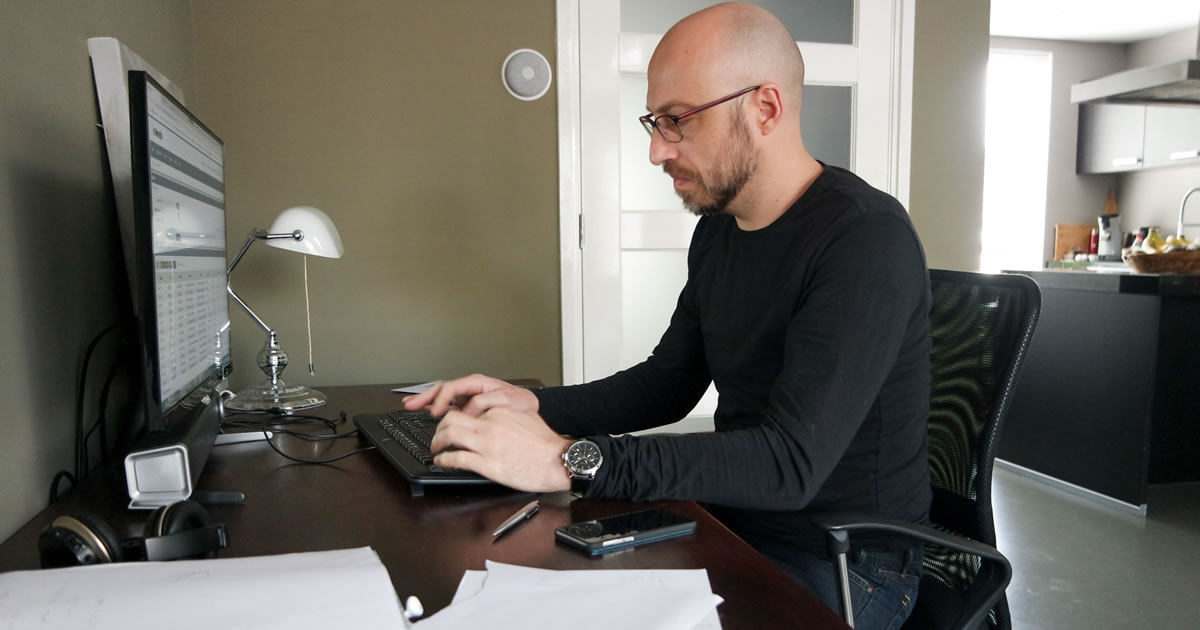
<point>580,485</point>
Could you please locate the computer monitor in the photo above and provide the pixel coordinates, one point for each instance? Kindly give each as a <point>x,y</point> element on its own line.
<point>179,254</point>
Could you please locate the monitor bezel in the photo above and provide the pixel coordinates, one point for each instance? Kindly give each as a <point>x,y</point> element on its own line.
<point>146,303</point>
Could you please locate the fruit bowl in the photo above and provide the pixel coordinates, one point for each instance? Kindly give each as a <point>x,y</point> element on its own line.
<point>1170,262</point>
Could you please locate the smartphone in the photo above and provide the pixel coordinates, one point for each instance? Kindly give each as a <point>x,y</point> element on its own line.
<point>624,531</point>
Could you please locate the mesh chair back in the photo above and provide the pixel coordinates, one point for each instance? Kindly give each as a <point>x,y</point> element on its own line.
<point>980,326</point>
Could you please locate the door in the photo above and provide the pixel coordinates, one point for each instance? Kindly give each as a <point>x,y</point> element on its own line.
<point>634,231</point>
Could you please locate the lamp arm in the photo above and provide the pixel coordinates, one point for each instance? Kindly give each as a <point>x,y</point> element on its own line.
<point>239,300</point>
<point>253,236</point>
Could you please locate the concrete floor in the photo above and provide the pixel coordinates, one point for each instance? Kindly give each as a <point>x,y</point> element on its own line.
<point>1078,563</point>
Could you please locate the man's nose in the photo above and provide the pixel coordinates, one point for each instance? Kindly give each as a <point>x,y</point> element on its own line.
<point>661,150</point>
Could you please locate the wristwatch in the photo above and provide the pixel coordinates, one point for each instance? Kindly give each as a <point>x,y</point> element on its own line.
<point>582,460</point>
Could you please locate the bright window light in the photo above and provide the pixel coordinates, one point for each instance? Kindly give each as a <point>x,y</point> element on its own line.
<point>1016,149</point>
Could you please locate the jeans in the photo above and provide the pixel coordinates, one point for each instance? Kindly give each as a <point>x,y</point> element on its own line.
<point>883,584</point>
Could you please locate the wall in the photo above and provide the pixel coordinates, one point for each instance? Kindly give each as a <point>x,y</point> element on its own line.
<point>1070,198</point>
<point>1152,197</point>
<point>391,117</point>
<point>60,259</point>
<point>1165,49</point>
<point>950,49</point>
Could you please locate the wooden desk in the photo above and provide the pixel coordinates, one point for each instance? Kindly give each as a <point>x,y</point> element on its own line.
<point>427,542</point>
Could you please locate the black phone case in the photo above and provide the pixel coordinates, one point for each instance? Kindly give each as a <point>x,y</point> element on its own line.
<point>623,531</point>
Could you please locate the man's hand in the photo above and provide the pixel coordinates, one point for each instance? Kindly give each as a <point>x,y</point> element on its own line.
<point>473,395</point>
<point>514,448</point>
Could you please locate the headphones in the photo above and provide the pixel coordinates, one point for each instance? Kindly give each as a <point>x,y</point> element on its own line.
<point>179,530</point>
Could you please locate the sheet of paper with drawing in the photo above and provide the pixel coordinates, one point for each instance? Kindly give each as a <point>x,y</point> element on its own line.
<point>303,591</point>
<point>506,597</point>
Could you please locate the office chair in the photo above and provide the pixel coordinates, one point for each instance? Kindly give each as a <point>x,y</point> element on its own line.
<point>980,326</point>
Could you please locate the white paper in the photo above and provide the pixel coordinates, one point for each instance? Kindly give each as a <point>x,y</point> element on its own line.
<point>416,389</point>
<point>505,595</point>
<point>303,591</point>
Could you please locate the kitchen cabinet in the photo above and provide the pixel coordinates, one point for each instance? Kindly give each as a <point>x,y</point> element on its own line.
<point>1109,397</point>
<point>1110,138</point>
<point>1172,135</point>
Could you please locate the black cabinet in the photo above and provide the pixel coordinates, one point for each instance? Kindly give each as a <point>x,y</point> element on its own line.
<point>1109,398</point>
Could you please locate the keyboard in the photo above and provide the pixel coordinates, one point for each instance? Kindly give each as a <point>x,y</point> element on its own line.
<point>403,438</point>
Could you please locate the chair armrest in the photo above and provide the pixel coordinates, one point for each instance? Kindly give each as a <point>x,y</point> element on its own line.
<point>873,523</point>
<point>991,581</point>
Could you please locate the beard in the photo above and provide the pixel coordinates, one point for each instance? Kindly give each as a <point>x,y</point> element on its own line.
<point>729,175</point>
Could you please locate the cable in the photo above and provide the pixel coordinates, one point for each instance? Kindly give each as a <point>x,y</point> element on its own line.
<point>62,474</point>
<point>87,357</point>
<point>100,422</point>
<point>319,461</point>
<point>266,424</point>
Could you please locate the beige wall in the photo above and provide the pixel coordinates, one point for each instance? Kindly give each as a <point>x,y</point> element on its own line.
<point>1070,198</point>
<point>950,49</point>
<point>63,279</point>
<point>391,117</point>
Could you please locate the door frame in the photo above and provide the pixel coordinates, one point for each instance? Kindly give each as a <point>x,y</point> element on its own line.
<point>570,94</point>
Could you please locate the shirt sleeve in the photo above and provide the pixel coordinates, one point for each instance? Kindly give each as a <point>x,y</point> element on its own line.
<point>658,391</point>
<point>840,346</point>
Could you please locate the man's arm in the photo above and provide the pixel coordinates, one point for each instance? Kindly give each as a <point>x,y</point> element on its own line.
<point>840,346</point>
<point>660,390</point>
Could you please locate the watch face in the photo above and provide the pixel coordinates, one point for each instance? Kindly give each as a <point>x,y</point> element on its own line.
<point>584,457</point>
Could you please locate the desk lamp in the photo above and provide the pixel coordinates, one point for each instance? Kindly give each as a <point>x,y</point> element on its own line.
<point>308,231</point>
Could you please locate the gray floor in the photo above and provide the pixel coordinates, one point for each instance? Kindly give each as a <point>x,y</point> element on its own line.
<point>1081,564</point>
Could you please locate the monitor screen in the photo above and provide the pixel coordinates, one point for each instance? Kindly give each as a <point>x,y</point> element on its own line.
<point>179,216</point>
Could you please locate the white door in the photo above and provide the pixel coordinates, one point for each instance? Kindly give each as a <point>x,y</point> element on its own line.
<point>623,270</point>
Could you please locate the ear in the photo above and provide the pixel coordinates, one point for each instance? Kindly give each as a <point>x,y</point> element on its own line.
<point>769,108</point>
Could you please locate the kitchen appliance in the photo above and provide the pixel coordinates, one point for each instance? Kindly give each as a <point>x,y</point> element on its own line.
<point>1109,246</point>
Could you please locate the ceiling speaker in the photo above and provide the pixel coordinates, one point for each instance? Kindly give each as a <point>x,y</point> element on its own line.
<point>526,74</point>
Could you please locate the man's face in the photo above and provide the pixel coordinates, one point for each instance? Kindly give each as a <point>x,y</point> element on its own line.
<point>716,157</point>
<point>707,192</point>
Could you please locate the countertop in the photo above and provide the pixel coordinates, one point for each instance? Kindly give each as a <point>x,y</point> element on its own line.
<point>1111,282</point>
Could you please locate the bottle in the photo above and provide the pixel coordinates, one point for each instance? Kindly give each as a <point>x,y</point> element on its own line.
<point>1094,243</point>
<point>1110,205</point>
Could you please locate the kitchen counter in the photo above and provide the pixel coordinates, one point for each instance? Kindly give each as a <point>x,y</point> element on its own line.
<point>1109,398</point>
<point>1117,282</point>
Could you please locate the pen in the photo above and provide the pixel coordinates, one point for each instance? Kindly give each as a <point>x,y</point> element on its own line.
<point>522,514</point>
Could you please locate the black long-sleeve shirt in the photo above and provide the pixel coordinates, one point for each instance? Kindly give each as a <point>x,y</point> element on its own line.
<point>815,330</point>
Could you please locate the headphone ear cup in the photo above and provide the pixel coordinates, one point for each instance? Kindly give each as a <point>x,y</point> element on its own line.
<point>81,539</point>
<point>179,518</point>
<point>176,518</point>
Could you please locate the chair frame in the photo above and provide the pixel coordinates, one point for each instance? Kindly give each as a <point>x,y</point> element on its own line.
<point>995,571</point>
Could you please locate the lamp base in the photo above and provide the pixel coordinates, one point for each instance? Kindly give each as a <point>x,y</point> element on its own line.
<point>286,398</point>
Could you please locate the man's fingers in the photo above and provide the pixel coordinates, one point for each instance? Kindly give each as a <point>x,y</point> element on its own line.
<point>412,402</point>
<point>459,430</point>
<point>462,460</point>
<point>480,403</point>
<point>460,388</point>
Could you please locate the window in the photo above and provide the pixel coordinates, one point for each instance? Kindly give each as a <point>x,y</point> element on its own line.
<point>1016,149</point>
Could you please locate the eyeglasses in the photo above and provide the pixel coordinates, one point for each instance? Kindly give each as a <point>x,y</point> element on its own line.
<point>668,124</point>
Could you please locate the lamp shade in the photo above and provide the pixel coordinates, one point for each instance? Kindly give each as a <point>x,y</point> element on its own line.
<point>320,236</point>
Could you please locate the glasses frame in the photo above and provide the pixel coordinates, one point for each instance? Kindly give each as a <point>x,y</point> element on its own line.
<point>650,122</point>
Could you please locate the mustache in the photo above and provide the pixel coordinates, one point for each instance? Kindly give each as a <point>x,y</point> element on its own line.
<point>677,172</point>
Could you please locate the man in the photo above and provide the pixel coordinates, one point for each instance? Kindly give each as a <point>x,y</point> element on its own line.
<point>806,302</point>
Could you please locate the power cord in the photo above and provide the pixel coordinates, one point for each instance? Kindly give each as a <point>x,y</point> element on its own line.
<point>266,424</point>
<point>101,422</point>
<point>80,457</point>
<point>79,465</point>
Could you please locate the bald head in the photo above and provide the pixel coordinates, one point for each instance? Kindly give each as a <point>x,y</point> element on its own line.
<point>728,47</point>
